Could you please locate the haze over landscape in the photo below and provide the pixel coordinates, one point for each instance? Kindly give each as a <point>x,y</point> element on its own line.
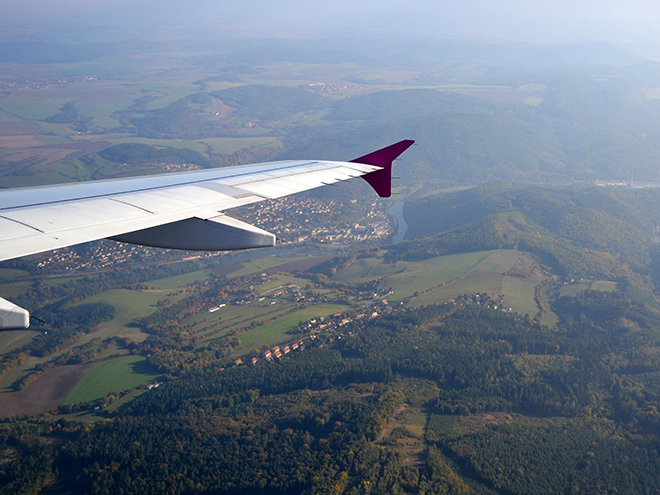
<point>501,20</point>
<point>492,328</point>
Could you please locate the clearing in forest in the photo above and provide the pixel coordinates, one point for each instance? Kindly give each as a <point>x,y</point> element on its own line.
<point>113,375</point>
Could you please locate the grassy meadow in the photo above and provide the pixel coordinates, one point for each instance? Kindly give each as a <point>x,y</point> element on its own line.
<point>113,375</point>
<point>434,281</point>
<point>130,304</point>
<point>278,327</point>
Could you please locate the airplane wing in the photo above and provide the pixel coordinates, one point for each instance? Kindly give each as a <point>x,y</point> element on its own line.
<point>179,210</point>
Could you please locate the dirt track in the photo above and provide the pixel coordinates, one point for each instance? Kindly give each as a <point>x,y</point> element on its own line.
<point>44,394</point>
<point>299,265</point>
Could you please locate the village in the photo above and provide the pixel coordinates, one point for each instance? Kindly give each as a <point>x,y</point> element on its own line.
<point>326,330</point>
<point>43,83</point>
<point>292,220</point>
<point>296,220</point>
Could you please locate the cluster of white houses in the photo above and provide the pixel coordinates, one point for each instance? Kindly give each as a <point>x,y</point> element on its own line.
<point>277,352</point>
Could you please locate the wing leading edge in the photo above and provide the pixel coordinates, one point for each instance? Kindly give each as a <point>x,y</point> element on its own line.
<point>180,210</point>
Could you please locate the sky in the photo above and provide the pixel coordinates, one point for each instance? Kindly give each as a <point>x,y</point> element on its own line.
<point>501,20</point>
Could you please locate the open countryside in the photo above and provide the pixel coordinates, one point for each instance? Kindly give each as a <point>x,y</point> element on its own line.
<point>267,315</point>
<point>499,336</point>
<point>114,375</point>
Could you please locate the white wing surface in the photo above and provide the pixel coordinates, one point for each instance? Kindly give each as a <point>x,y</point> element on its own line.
<point>39,219</point>
<point>180,210</point>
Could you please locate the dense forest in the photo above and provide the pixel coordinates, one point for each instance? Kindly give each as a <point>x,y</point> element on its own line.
<point>311,423</point>
<point>458,397</point>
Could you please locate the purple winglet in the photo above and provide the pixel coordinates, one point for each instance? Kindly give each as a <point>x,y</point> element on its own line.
<point>381,180</point>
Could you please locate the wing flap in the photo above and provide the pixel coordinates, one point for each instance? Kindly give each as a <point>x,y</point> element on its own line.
<point>13,317</point>
<point>215,234</point>
<point>11,229</point>
<point>71,215</point>
<point>177,198</point>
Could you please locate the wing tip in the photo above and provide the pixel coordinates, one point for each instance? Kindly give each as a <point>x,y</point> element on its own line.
<point>381,180</point>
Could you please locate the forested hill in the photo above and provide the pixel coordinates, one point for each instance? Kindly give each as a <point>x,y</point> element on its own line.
<point>483,402</point>
<point>598,124</point>
<point>406,104</point>
<point>580,231</point>
<point>460,148</point>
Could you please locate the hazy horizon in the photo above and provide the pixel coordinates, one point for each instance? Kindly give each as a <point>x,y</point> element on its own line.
<point>504,20</point>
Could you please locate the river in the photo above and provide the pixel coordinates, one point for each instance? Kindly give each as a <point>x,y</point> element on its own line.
<point>397,212</point>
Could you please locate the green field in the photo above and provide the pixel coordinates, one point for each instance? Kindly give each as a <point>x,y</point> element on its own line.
<point>423,275</point>
<point>574,289</point>
<point>14,339</point>
<point>239,316</point>
<point>15,289</point>
<point>406,278</point>
<point>280,325</point>
<point>519,294</point>
<point>550,319</point>
<point>486,276</point>
<point>604,285</point>
<point>13,376</point>
<point>130,304</point>
<point>533,101</point>
<point>9,273</point>
<point>282,281</point>
<point>172,92</point>
<point>115,65</point>
<point>109,376</point>
<point>365,270</point>
<point>32,105</point>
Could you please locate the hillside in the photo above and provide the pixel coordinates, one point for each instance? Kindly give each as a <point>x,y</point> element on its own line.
<point>580,231</point>
<point>561,127</point>
<point>445,399</point>
<point>508,346</point>
<point>411,372</point>
<point>472,124</point>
